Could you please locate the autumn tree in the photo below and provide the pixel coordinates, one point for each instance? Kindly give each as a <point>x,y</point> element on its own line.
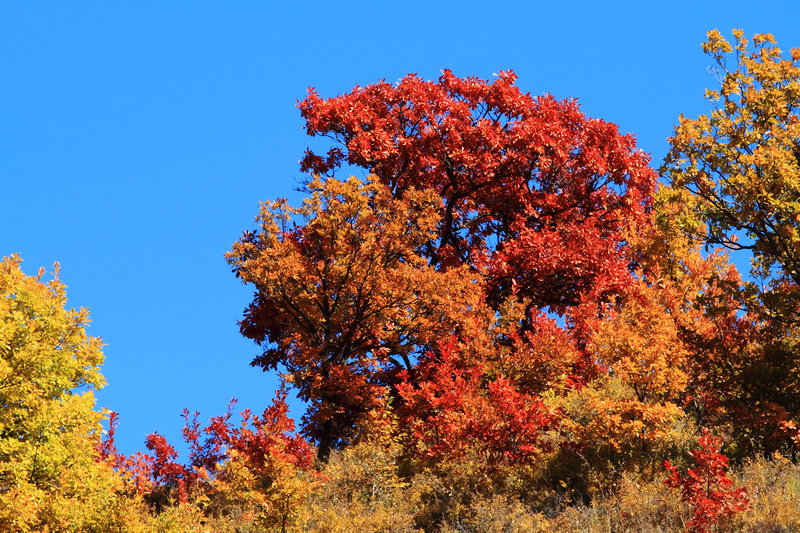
<point>479,195</point>
<point>737,170</point>
<point>532,190</point>
<point>741,164</point>
<point>707,486</point>
<point>454,411</point>
<point>344,299</point>
<point>49,369</point>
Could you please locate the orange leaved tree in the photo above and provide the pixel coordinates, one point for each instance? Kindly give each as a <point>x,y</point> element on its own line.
<point>345,301</point>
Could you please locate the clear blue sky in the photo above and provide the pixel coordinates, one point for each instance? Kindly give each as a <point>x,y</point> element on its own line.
<point>137,138</point>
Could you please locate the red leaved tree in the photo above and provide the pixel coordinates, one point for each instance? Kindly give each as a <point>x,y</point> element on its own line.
<point>262,465</point>
<point>454,410</point>
<point>481,199</point>
<point>529,185</point>
<point>706,486</point>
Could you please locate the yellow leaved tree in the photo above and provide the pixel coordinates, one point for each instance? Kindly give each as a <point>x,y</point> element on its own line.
<point>740,165</point>
<point>737,170</point>
<point>50,479</point>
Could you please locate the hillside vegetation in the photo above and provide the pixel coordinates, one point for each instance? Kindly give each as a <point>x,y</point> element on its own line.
<point>513,323</point>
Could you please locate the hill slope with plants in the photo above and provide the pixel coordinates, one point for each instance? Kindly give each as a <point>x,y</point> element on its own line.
<point>512,323</point>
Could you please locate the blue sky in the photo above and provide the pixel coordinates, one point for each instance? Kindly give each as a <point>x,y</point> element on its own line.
<point>137,139</point>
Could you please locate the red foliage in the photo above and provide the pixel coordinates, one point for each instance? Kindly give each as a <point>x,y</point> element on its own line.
<point>529,183</point>
<point>107,448</point>
<point>137,468</point>
<point>534,198</point>
<point>164,471</point>
<point>704,486</point>
<point>269,438</point>
<point>454,409</point>
<point>261,441</point>
<point>209,453</point>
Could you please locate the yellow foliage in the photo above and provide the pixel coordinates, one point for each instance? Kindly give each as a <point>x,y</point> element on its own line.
<point>611,431</point>
<point>49,369</point>
<point>740,164</point>
<point>275,499</point>
<point>362,491</point>
<point>640,345</point>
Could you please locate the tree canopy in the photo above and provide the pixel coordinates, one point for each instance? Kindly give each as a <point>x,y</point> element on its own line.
<point>741,163</point>
<point>49,428</point>
<point>531,190</point>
